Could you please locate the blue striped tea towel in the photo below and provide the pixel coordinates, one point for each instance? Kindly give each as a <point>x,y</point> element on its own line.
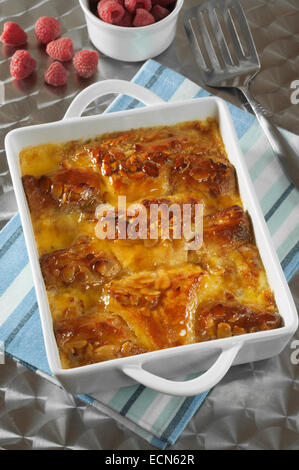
<point>160,419</point>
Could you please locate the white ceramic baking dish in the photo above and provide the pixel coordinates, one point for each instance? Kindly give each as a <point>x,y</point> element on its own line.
<point>154,369</point>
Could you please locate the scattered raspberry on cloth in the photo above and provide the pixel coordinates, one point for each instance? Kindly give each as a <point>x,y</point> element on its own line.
<point>56,74</point>
<point>61,49</point>
<point>47,29</point>
<point>86,62</point>
<point>13,34</point>
<point>22,64</point>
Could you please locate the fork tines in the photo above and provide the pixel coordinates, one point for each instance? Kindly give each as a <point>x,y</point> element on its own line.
<point>215,29</point>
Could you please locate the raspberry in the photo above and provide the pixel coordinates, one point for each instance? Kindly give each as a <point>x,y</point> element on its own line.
<point>47,29</point>
<point>110,11</point>
<point>159,12</point>
<point>132,5</point>
<point>22,64</point>
<point>61,49</point>
<point>56,74</point>
<point>126,19</point>
<point>143,18</point>
<point>121,2</point>
<point>86,62</point>
<point>13,34</point>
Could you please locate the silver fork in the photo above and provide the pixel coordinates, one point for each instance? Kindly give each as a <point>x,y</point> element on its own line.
<point>214,30</point>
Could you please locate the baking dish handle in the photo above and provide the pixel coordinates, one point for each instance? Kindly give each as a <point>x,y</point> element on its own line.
<point>191,387</point>
<point>106,87</point>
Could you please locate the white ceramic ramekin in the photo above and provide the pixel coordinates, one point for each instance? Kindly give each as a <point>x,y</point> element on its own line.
<point>131,44</point>
<point>154,369</point>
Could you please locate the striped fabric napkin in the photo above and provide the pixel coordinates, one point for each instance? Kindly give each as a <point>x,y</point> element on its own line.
<point>160,419</point>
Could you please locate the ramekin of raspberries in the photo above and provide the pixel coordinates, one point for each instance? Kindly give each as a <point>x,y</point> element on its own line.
<point>131,30</point>
<point>132,13</point>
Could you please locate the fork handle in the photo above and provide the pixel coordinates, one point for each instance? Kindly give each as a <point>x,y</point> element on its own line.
<point>288,157</point>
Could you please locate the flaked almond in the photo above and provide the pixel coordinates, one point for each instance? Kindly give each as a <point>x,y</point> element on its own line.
<point>126,348</point>
<point>82,275</point>
<point>201,174</point>
<point>68,274</point>
<point>105,352</point>
<point>223,330</point>
<point>162,283</point>
<point>158,157</point>
<point>151,169</point>
<point>75,194</point>
<point>101,266</point>
<point>179,163</point>
<point>146,280</point>
<point>56,190</point>
<point>238,331</point>
<point>136,176</point>
<point>150,292</point>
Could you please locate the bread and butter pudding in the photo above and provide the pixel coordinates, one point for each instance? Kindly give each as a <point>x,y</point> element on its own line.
<point>112,298</point>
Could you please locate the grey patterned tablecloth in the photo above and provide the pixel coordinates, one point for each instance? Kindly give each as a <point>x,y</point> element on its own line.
<point>255,406</point>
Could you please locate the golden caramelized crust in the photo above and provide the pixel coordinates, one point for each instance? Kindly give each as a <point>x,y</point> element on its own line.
<point>160,161</point>
<point>158,306</point>
<point>168,206</point>
<point>112,298</point>
<point>95,338</point>
<point>82,264</point>
<point>66,190</point>
<point>228,226</point>
<point>238,276</point>
<point>224,234</point>
<point>221,321</point>
<point>205,174</point>
<point>133,175</point>
<point>124,169</point>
